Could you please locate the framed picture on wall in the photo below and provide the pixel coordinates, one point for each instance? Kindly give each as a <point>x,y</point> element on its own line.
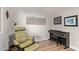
<point>35,20</point>
<point>58,20</point>
<point>71,21</point>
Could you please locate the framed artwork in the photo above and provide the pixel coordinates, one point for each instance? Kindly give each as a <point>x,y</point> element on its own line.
<point>71,21</point>
<point>35,21</point>
<point>58,20</point>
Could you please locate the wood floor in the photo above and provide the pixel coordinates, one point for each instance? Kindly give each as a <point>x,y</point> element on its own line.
<point>47,46</point>
<point>51,46</point>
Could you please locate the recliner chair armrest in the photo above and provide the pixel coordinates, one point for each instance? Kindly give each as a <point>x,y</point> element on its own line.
<point>31,38</point>
<point>16,42</point>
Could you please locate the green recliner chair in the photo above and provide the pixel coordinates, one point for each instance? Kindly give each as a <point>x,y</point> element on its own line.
<point>23,40</point>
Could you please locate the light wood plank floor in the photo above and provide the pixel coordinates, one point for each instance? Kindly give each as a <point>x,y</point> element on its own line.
<point>51,46</point>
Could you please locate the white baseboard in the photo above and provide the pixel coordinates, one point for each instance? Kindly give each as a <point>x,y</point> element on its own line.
<point>40,40</point>
<point>76,49</point>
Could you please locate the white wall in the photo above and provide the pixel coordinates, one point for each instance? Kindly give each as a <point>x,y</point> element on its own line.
<point>4,34</point>
<point>39,31</point>
<point>0,24</point>
<point>0,20</point>
<point>74,31</point>
<point>6,28</point>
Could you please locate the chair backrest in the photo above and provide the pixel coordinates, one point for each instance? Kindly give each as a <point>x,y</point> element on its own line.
<point>20,34</point>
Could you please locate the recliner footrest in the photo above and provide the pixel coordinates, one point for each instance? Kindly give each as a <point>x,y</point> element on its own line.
<point>32,47</point>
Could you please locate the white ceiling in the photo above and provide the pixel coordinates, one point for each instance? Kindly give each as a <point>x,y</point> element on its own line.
<point>47,11</point>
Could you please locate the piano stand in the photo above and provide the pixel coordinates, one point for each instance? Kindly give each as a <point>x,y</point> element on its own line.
<point>60,37</point>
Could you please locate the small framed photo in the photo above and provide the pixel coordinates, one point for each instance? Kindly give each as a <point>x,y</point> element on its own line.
<point>58,20</point>
<point>71,21</point>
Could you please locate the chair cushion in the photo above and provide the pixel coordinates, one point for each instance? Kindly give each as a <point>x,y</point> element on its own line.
<point>20,36</point>
<point>26,43</point>
<point>32,47</point>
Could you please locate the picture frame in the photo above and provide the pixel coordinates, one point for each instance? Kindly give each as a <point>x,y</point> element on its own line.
<point>71,21</point>
<point>57,20</point>
<point>32,20</point>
